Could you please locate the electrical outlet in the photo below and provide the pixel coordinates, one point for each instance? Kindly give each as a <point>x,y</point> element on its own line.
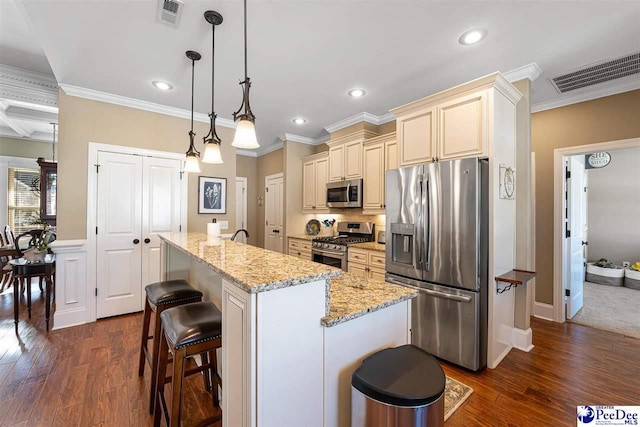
<point>224,225</point>
<point>626,264</point>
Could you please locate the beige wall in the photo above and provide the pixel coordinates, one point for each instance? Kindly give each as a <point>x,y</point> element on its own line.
<point>295,220</point>
<point>248,167</point>
<point>387,127</point>
<point>604,119</point>
<point>83,121</point>
<point>17,147</point>
<point>269,164</point>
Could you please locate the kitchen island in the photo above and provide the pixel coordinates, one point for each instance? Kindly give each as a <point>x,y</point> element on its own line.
<point>288,352</point>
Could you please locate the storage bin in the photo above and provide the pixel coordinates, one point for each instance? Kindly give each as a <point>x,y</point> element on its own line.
<point>605,276</point>
<point>632,278</point>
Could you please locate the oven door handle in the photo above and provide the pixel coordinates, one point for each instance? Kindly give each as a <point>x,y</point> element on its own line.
<point>460,298</point>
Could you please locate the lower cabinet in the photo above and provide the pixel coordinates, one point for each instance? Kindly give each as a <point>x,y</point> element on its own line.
<point>367,263</point>
<point>300,248</point>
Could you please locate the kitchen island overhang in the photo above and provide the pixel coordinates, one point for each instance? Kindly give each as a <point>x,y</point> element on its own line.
<point>288,351</point>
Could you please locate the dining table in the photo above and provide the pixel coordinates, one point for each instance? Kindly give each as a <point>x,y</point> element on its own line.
<point>24,269</point>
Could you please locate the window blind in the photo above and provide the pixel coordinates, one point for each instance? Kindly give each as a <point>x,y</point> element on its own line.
<point>23,199</point>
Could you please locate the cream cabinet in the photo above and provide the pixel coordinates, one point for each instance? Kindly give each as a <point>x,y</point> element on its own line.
<point>345,161</point>
<point>315,170</point>
<point>300,248</point>
<point>449,125</point>
<point>366,263</point>
<point>379,154</point>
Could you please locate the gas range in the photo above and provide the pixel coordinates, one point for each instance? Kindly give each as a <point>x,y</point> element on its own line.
<point>333,250</point>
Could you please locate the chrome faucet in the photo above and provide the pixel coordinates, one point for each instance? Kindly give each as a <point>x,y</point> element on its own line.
<point>246,233</point>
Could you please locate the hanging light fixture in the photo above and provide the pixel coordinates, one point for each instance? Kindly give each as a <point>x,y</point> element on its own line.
<point>245,136</point>
<point>191,162</point>
<point>212,141</point>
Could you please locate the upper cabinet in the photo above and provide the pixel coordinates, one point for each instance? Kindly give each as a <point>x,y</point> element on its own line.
<point>451,124</point>
<point>380,154</point>
<point>315,171</point>
<point>345,156</point>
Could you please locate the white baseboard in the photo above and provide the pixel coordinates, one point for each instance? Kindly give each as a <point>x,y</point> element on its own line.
<point>494,364</point>
<point>68,318</point>
<point>543,311</point>
<point>522,339</point>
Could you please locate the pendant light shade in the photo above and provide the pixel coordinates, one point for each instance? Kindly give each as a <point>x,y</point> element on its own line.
<point>245,136</point>
<point>212,141</point>
<point>191,162</point>
<point>191,165</point>
<point>212,154</point>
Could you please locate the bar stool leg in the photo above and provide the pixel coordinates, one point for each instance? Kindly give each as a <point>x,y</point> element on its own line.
<point>145,336</point>
<point>158,338</point>
<point>158,392</point>
<point>206,374</point>
<point>215,377</point>
<point>177,382</point>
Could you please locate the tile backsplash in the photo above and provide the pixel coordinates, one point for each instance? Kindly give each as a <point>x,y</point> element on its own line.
<point>378,220</point>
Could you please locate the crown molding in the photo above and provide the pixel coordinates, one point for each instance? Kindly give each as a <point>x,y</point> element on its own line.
<point>507,89</point>
<point>361,117</point>
<point>28,86</point>
<point>302,139</point>
<point>246,153</point>
<point>124,101</point>
<point>563,101</point>
<point>273,147</point>
<point>530,71</point>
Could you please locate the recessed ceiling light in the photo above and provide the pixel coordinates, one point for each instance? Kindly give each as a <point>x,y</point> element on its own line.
<point>299,121</point>
<point>356,93</point>
<point>472,36</point>
<point>161,85</point>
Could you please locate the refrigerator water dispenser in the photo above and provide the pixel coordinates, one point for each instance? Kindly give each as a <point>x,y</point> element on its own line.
<point>402,243</point>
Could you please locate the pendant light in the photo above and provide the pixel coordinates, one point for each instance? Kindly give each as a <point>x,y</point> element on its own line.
<point>212,141</point>
<point>245,136</point>
<point>191,162</point>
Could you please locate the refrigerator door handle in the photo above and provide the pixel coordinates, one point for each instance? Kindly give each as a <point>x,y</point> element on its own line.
<point>419,224</point>
<point>459,298</point>
<point>427,199</point>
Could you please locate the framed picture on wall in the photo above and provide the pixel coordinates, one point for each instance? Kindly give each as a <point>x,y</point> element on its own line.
<point>212,195</point>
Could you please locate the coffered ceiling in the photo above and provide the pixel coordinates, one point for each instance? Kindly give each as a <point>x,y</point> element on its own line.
<point>304,56</point>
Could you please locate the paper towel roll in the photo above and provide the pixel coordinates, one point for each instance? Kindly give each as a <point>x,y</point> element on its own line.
<point>213,229</point>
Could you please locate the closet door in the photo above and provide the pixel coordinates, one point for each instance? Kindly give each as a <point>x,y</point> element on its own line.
<point>160,210</point>
<point>119,213</point>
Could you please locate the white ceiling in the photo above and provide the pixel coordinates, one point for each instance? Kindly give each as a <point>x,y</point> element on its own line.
<point>305,55</point>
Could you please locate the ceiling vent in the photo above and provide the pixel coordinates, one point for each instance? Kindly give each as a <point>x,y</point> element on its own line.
<point>603,72</point>
<point>170,11</point>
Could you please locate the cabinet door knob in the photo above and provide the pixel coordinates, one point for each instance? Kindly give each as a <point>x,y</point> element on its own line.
<point>136,241</point>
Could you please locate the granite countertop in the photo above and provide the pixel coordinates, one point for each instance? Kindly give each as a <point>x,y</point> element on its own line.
<point>251,268</point>
<point>354,296</point>
<point>371,246</point>
<point>308,237</point>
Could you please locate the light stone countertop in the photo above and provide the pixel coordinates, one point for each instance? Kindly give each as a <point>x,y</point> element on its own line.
<point>354,296</point>
<point>370,246</point>
<point>250,268</point>
<point>308,237</point>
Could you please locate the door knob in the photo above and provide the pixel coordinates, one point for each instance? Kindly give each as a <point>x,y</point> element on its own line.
<point>136,241</point>
<point>147,240</point>
<point>585,243</point>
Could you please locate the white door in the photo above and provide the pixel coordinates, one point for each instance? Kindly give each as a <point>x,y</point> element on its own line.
<point>119,212</point>
<point>160,210</point>
<point>241,207</point>
<point>137,198</point>
<point>274,229</point>
<point>577,220</point>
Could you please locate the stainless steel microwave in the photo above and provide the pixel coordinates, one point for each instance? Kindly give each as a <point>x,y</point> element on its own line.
<point>345,194</point>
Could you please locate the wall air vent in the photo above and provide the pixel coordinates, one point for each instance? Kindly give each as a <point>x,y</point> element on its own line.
<point>599,73</point>
<point>170,11</point>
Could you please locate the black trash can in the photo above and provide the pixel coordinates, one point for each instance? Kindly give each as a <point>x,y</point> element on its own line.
<point>398,387</point>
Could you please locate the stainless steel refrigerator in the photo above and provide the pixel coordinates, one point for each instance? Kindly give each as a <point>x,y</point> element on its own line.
<point>437,243</point>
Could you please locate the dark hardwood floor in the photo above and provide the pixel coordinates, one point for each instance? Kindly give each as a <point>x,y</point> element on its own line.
<point>87,375</point>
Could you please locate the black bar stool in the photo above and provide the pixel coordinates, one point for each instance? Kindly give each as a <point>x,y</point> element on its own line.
<point>189,330</point>
<point>161,296</point>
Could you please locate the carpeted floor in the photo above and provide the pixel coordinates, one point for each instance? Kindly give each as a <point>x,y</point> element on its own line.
<point>610,308</point>
<point>455,393</point>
